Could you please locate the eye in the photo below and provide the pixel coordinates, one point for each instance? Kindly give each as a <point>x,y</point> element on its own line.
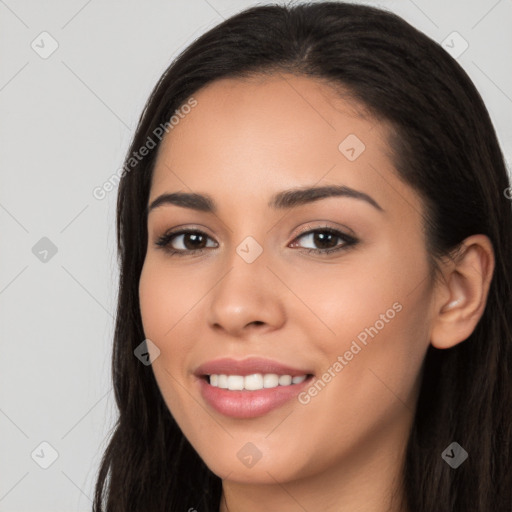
<point>327,239</point>
<point>183,242</point>
<point>188,241</point>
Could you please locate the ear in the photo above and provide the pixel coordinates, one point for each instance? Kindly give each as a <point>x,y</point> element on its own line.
<point>461,294</point>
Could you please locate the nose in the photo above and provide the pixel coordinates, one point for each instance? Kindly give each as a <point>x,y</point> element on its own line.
<point>247,298</point>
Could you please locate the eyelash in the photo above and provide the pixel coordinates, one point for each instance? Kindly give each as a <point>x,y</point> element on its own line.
<point>164,241</point>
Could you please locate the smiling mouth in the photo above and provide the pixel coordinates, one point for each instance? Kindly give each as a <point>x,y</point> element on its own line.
<point>254,382</point>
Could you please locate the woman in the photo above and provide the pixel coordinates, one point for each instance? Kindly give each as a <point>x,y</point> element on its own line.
<point>315,250</point>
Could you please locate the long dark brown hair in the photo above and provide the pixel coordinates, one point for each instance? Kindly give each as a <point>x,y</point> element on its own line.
<point>444,146</point>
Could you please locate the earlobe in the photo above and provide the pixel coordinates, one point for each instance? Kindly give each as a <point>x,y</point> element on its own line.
<point>461,297</point>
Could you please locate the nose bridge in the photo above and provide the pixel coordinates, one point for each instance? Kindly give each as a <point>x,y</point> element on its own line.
<point>245,294</point>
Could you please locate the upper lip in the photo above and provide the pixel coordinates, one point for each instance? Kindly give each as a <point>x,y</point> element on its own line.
<point>248,366</point>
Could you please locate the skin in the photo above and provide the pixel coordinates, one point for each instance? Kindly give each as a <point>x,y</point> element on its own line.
<point>244,141</point>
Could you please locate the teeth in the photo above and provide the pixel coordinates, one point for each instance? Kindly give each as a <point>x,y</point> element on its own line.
<point>223,381</point>
<point>254,381</point>
<point>270,380</point>
<point>285,380</point>
<point>235,383</point>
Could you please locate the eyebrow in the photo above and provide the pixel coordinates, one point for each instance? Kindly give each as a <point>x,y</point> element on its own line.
<point>283,200</point>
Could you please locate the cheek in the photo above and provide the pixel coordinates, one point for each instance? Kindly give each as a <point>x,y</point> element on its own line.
<point>164,304</point>
<point>166,297</point>
<point>167,303</point>
<point>342,299</point>
<point>373,312</point>
<point>152,302</point>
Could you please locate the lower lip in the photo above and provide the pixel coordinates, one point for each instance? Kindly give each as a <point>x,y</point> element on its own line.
<point>249,404</point>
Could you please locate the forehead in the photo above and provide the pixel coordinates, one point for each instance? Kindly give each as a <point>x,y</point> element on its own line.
<point>293,107</point>
<point>260,134</point>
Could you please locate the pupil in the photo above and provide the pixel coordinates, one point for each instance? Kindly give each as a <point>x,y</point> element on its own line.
<point>193,236</point>
<point>320,238</point>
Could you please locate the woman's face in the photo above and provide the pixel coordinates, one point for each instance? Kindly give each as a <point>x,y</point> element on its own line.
<point>252,300</point>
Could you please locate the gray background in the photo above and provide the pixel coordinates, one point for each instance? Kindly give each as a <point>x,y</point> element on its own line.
<point>66,122</point>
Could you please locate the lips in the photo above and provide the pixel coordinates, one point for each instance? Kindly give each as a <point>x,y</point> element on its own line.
<point>248,367</point>
<point>281,384</point>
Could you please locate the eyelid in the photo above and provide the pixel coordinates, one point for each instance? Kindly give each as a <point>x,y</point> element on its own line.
<point>337,227</point>
<point>183,228</point>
